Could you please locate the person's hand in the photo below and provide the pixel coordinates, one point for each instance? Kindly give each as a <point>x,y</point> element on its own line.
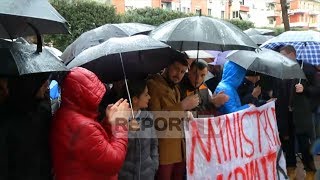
<point>189,116</point>
<point>256,92</point>
<point>299,88</point>
<point>134,125</point>
<point>219,99</point>
<point>118,111</point>
<point>190,102</point>
<point>272,99</point>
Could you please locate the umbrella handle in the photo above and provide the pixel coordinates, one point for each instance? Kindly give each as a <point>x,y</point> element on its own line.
<point>127,87</point>
<point>39,39</point>
<point>302,70</point>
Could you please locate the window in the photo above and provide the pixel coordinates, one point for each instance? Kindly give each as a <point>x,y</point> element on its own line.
<point>235,14</point>
<point>177,9</point>
<point>188,10</point>
<point>184,9</point>
<point>210,1</point>
<point>209,12</point>
<point>198,11</point>
<point>222,14</point>
<point>241,2</point>
<point>271,21</point>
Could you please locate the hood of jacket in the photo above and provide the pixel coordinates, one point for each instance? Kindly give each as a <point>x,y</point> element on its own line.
<point>233,74</point>
<point>83,91</point>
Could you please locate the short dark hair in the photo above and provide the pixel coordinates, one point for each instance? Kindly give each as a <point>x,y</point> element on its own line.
<point>252,73</point>
<point>180,57</point>
<point>200,64</point>
<point>288,49</point>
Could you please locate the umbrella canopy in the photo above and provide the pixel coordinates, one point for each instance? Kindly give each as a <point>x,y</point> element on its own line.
<point>204,33</point>
<point>219,57</point>
<point>17,17</point>
<point>101,34</point>
<point>193,54</point>
<point>140,54</point>
<point>306,43</point>
<point>258,31</point>
<point>260,39</point>
<point>19,59</point>
<point>268,62</point>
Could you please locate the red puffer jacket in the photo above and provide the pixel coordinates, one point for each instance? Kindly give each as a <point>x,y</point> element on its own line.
<point>82,148</point>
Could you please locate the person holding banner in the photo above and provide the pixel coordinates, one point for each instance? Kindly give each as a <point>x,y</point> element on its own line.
<point>193,82</point>
<point>232,78</point>
<point>169,112</point>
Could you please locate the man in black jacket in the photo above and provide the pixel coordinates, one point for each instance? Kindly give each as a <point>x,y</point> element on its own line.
<point>251,92</point>
<point>294,117</point>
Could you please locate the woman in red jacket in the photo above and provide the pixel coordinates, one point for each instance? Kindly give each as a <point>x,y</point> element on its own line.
<point>83,148</point>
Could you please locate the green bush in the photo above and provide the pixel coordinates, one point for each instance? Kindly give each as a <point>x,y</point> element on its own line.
<point>243,25</point>
<point>152,16</point>
<point>82,16</point>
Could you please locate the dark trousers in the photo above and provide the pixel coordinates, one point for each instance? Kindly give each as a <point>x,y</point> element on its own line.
<point>304,144</point>
<point>174,171</point>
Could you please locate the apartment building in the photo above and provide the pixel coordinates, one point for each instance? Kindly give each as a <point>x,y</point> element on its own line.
<point>304,13</point>
<point>217,8</point>
<point>238,9</point>
<point>263,13</point>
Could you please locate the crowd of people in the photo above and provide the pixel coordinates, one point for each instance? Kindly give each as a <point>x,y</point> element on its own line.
<point>96,134</point>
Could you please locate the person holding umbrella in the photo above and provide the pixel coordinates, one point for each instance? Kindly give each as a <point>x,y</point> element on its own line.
<point>142,159</point>
<point>27,119</point>
<point>83,148</point>
<point>3,129</point>
<point>165,96</point>
<point>295,118</point>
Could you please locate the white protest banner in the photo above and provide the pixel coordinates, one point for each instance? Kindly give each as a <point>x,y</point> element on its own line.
<point>243,145</point>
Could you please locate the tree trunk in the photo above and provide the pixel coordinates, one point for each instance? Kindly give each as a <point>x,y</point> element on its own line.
<point>285,17</point>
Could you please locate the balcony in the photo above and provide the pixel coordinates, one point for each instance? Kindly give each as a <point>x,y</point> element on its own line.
<point>272,13</point>
<point>244,8</point>
<point>313,25</point>
<point>166,1</point>
<point>299,24</point>
<point>297,11</point>
<point>314,13</point>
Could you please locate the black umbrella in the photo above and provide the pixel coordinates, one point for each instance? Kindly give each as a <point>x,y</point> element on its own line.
<point>101,34</point>
<point>267,62</point>
<point>19,59</point>
<point>260,39</point>
<point>18,16</point>
<point>141,55</point>
<point>204,33</point>
<point>258,31</point>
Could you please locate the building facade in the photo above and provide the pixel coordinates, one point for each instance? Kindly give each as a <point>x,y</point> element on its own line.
<point>263,13</point>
